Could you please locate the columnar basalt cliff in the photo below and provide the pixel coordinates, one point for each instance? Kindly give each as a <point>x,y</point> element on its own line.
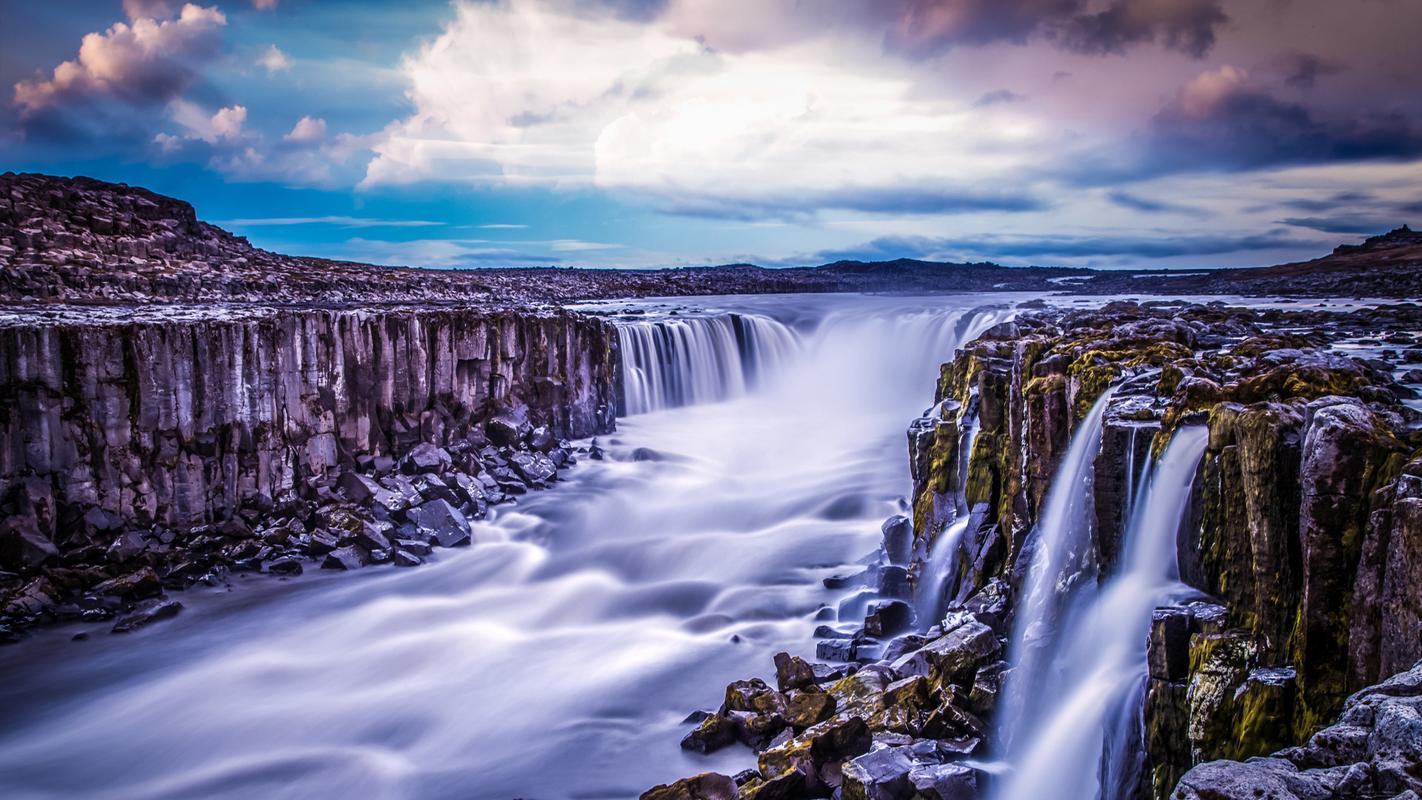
<point>118,439</point>
<point>1299,541</point>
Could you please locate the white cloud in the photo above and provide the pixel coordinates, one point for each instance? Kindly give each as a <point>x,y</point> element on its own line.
<point>517,92</point>
<point>273,60</point>
<point>138,61</point>
<point>225,124</point>
<point>308,129</point>
<point>264,5</point>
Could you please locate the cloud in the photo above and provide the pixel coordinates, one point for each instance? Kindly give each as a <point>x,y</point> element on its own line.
<point>997,96</point>
<point>1062,247</point>
<point>264,5</point>
<point>1185,25</point>
<point>1302,70</point>
<point>273,60</point>
<point>443,253</point>
<point>1348,223</point>
<point>307,129</point>
<point>1137,203</point>
<point>224,124</point>
<point>645,111</point>
<point>1221,120</point>
<point>494,226</point>
<point>143,62</point>
<point>340,221</point>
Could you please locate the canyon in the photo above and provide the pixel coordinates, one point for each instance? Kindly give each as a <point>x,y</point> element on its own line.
<point>1165,548</point>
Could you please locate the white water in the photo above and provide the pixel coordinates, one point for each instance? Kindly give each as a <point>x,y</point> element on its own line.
<point>556,663</point>
<point>1060,543</point>
<point>943,556</point>
<point>668,362</point>
<point>1101,667</point>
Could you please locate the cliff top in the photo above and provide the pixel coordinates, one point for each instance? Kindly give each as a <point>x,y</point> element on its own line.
<point>80,240</point>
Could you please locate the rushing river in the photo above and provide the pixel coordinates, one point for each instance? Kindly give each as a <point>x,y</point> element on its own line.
<point>557,657</point>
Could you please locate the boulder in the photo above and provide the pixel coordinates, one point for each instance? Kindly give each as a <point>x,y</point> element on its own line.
<point>706,786</point>
<point>426,457</point>
<point>147,613</point>
<point>350,557</point>
<point>442,522</point>
<point>22,546</point>
<point>714,733</point>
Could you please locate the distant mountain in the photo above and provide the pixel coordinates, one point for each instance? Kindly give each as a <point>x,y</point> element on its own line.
<point>88,241</point>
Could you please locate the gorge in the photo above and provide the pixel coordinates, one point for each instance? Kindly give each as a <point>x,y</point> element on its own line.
<point>1167,547</point>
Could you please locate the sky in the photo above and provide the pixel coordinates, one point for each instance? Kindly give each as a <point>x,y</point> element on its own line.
<point>644,133</point>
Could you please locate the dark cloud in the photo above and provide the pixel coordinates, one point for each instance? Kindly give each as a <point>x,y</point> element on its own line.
<point>1351,224</point>
<point>1046,248</point>
<point>923,28</point>
<point>1316,205</point>
<point>1184,25</point>
<point>1221,122</point>
<point>996,97</point>
<point>905,200</point>
<point>1138,203</point>
<point>1302,70</point>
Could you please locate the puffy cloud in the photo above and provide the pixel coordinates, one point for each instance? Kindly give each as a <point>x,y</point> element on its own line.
<point>274,60</point>
<point>307,129</point>
<point>144,61</point>
<point>224,124</point>
<point>596,99</point>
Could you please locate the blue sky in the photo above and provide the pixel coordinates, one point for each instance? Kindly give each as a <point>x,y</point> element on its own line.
<point>1109,133</point>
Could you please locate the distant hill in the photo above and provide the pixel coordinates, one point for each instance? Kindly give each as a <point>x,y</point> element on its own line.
<point>88,241</point>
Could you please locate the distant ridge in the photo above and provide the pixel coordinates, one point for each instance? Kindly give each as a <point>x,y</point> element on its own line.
<point>82,240</point>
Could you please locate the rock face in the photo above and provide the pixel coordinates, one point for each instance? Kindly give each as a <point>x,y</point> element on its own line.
<point>1373,751</point>
<point>239,437</point>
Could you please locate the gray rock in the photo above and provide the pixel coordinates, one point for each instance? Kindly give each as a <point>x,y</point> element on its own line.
<point>345,558</point>
<point>443,522</point>
<point>147,613</point>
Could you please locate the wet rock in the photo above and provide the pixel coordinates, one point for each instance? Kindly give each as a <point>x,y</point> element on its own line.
<point>126,547</point>
<point>888,618</point>
<point>944,782</point>
<point>714,733</point>
<point>879,775</point>
<point>404,558</point>
<point>22,546</point>
<point>535,468</point>
<point>147,613</point>
<point>135,585</point>
<point>426,457</point>
<point>950,656</point>
<point>818,751</point>
<point>285,565</point>
<point>415,547</point>
<point>706,786</point>
<point>345,558</point>
<point>807,707</point>
<point>898,539</point>
<point>508,428</point>
<point>442,522</point>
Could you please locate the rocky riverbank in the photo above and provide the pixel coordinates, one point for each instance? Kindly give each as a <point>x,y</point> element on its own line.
<point>1300,540</point>
<point>147,451</point>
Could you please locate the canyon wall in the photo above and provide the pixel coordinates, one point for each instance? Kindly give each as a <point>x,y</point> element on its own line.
<point>1304,528</point>
<point>186,418</point>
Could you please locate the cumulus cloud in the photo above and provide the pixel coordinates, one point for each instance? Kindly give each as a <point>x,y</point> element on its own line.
<point>599,100</point>
<point>1185,25</point>
<point>307,129</point>
<point>143,61</point>
<point>274,60</point>
<point>223,125</point>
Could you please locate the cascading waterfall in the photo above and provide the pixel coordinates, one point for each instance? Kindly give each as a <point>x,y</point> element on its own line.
<point>1102,662</point>
<point>670,362</point>
<point>943,555</point>
<point>1062,536</point>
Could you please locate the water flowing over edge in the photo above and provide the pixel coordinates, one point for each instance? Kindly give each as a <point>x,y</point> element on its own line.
<point>1102,656</point>
<point>672,362</point>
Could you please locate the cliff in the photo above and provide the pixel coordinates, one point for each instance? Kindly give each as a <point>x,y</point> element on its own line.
<point>127,437</point>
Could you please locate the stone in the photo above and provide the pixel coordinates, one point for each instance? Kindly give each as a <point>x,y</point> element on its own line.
<point>706,786</point>
<point>714,733</point>
<point>22,545</point>
<point>345,558</point>
<point>285,565</point>
<point>944,782</point>
<point>888,618</point>
<point>508,428</point>
<point>879,775</point>
<point>404,558</point>
<point>443,522</point>
<point>426,457</point>
<point>147,613</point>
<point>946,658</point>
<point>135,585</point>
<point>535,468</point>
<point>806,707</point>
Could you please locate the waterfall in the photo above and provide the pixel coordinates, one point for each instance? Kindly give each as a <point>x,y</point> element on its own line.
<point>1061,537</point>
<point>1101,666</point>
<point>681,361</point>
<point>942,556</point>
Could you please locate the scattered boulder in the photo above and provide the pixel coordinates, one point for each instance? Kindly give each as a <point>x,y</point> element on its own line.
<point>147,613</point>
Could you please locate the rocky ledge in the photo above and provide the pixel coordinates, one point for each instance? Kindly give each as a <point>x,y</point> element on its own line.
<point>143,456</point>
<point>1302,541</point>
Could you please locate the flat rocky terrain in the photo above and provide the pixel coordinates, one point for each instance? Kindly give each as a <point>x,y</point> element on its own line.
<point>80,240</point>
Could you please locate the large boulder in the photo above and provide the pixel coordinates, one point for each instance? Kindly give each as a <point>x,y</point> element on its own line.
<point>443,522</point>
